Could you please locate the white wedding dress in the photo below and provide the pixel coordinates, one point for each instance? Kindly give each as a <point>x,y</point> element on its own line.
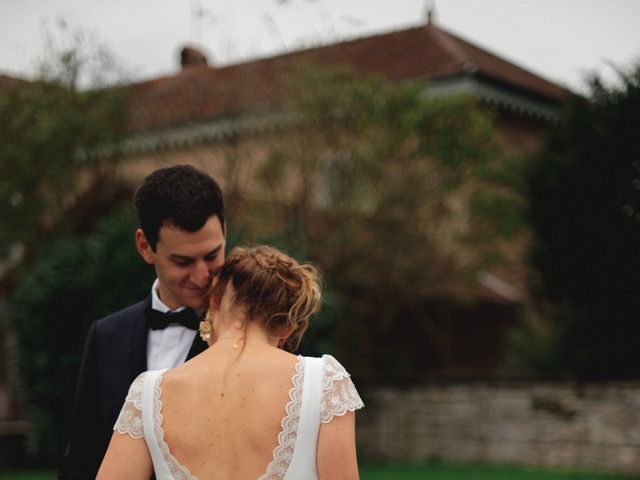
<point>320,389</point>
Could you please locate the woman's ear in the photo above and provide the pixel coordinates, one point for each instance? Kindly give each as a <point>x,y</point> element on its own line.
<point>283,335</point>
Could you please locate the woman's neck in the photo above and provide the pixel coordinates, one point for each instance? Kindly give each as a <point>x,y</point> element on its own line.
<point>238,334</point>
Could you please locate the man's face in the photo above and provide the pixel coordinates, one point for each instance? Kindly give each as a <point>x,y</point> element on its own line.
<point>184,261</point>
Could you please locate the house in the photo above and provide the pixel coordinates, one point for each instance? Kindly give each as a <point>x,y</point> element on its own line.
<point>193,115</point>
<point>196,114</point>
<point>202,103</point>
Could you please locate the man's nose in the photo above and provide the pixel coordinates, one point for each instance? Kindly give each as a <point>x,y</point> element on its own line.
<point>201,274</point>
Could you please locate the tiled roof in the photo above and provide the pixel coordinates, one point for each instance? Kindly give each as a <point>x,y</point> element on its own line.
<point>7,82</point>
<point>426,52</point>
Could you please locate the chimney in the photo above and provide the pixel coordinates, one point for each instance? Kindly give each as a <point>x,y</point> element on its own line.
<point>190,57</point>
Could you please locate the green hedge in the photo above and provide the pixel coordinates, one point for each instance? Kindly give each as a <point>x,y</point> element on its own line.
<point>73,282</point>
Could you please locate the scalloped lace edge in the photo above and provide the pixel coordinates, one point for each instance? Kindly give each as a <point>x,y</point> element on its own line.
<point>132,408</point>
<point>338,413</point>
<point>338,374</point>
<point>179,471</point>
<point>125,431</point>
<point>287,437</point>
<point>350,399</point>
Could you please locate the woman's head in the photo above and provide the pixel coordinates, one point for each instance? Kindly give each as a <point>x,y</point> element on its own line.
<point>271,288</point>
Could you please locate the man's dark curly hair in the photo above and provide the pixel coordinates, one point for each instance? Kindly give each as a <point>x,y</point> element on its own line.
<point>182,196</point>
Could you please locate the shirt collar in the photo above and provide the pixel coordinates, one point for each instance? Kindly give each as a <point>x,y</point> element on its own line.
<point>158,304</point>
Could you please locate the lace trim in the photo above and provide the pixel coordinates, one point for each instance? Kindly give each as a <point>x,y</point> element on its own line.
<point>178,472</point>
<point>130,418</point>
<point>283,453</point>
<point>339,395</point>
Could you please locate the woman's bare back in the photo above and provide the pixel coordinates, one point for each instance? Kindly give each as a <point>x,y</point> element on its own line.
<point>222,419</point>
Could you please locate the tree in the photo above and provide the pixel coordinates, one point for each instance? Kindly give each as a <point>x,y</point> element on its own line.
<point>49,177</point>
<point>377,180</point>
<point>54,183</point>
<point>71,283</point>
<point>585,212</point>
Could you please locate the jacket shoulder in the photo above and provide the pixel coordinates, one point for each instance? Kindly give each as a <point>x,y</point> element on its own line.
<point>124,316</point>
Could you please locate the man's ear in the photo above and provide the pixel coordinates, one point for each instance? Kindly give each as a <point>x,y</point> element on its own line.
<point>143,247</point>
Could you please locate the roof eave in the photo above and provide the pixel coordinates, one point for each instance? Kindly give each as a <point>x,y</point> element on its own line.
<point>497,95</point>
<point>194,133</point>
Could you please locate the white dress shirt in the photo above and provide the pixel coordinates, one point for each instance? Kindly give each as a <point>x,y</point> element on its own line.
<point>169,347</point>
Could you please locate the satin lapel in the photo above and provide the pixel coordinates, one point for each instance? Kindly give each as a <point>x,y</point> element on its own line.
<point>198,346</point>
<point>138,341</point>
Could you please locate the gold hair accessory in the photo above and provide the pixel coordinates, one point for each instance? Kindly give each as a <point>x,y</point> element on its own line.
<point>205,327</point>
<point>204,330</point>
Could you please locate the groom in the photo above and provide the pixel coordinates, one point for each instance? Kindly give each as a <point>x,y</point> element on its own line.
<point>182,234</point>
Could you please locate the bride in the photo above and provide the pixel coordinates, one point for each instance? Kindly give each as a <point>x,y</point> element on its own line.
<point>244,408</point>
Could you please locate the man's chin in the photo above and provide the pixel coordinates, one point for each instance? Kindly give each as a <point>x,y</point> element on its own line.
<point>194,301</point>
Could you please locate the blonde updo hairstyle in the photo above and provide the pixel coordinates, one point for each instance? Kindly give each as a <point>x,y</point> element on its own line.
<point>273,288</point>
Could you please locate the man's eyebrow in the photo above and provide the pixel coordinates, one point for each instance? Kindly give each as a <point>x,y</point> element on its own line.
<point>215,251</point>
<point>177,256</point>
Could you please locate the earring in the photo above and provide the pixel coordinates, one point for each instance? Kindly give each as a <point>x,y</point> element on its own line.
<point>205,328</point>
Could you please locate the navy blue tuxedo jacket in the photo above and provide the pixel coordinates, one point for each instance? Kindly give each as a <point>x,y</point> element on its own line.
<point>115,353</point>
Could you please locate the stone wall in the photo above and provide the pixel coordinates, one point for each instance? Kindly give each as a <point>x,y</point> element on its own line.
<point>594,426</point>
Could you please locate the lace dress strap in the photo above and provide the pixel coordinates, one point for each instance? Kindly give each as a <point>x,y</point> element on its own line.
<point>339,395</point>
<point>129,421</point>
<point>284,452</point>
<point>165,465</point>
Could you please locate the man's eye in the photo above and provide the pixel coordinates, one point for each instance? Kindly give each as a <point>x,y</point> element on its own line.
<point>180,263</point>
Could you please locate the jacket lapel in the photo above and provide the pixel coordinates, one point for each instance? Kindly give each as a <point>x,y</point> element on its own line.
<point>198,346</point>
<point>138,341</point>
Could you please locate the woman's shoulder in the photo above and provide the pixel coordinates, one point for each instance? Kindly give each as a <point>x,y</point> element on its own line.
<point>139,381</point>
<point>338,393</point>
<point>331,367</point>
<point>327,368</point>
<point>175,377</point>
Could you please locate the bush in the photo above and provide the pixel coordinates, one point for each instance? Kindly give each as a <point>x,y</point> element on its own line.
<point>72,283</point>
<point>585,213</point>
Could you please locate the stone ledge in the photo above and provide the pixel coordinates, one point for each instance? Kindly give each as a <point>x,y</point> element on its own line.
<point>14,427</point>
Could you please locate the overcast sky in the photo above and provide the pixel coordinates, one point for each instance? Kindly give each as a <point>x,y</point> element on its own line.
<point>558,39</point>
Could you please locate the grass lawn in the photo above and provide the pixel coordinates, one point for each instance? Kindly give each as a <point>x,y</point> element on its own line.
<point>475,472</point>
<point>411,472</point>
<point>28,475</point>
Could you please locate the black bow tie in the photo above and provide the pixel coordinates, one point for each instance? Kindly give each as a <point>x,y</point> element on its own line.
<point>159,321</point>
